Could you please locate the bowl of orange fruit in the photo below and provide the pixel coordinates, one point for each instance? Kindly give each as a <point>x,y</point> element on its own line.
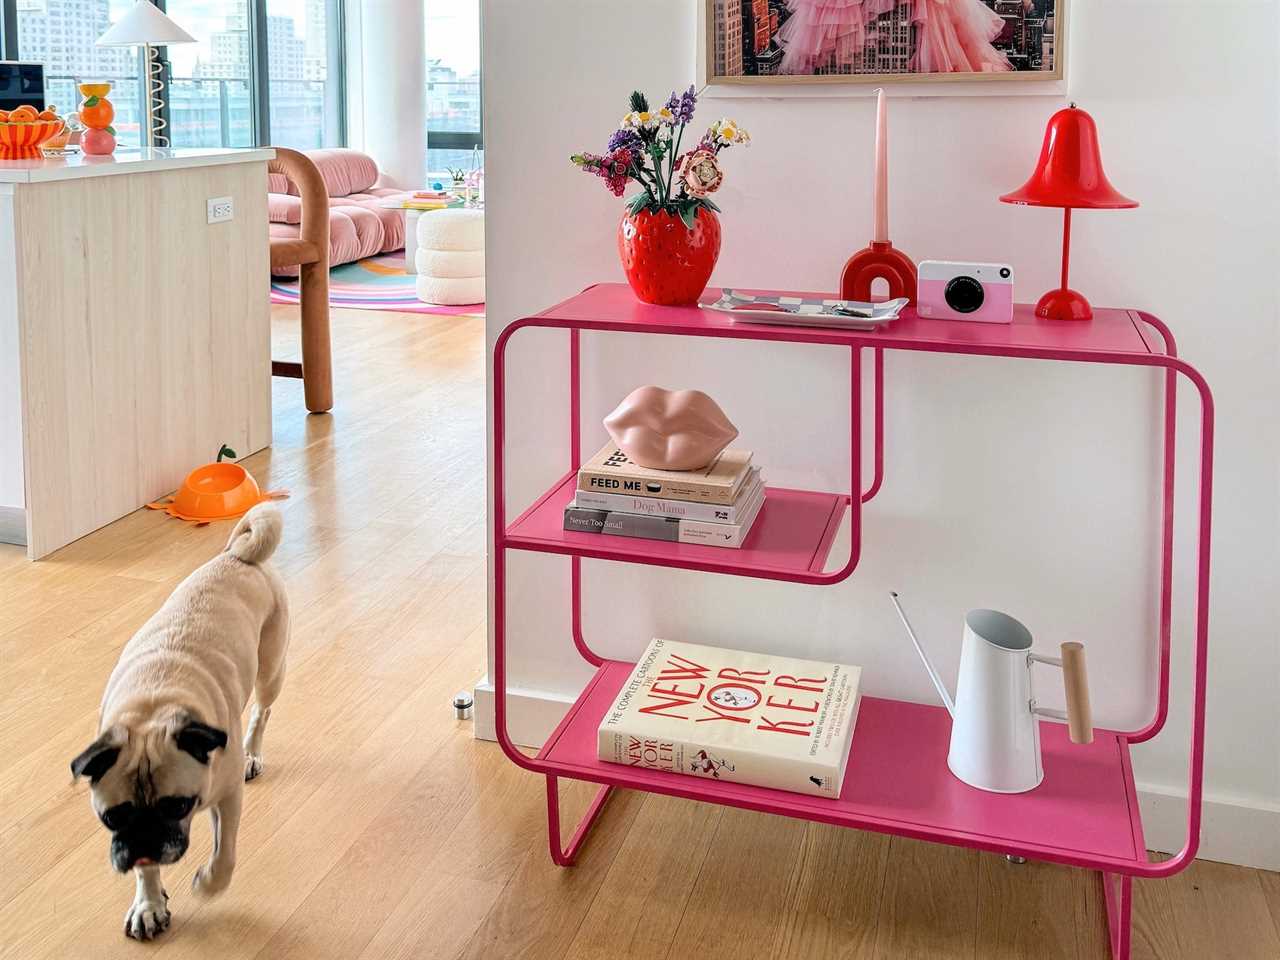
<point>24,130</point>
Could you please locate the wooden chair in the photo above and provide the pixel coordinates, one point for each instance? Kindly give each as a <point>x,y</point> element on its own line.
<point>310,252</point>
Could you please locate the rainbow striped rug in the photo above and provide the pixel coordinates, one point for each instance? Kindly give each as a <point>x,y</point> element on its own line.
<point>376,283</point>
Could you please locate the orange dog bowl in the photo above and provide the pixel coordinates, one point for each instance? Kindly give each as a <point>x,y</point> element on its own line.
<point>19,141</point>
<point>216,491</point>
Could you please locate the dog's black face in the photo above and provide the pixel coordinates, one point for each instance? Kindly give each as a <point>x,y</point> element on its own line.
<point>155,833</point>
<point>147,783</point>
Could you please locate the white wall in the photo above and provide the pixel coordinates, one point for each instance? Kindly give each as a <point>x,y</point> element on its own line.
<point>1023,485</point>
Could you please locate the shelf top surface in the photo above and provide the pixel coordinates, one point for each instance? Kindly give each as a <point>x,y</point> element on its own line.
<point>897,781</point>
<point>612,306</point>
<point>791,535</point>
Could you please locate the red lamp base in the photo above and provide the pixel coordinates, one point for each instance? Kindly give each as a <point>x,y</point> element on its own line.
<point>1064,304</point>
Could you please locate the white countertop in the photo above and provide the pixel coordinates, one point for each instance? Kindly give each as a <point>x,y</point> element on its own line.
<point>77,165</point>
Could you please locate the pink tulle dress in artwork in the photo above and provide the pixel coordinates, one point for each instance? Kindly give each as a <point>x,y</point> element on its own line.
<point>954,36</point>
<point>822,33</point>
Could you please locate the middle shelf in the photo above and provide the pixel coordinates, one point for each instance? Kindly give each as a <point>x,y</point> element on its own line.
<point>791,538</point>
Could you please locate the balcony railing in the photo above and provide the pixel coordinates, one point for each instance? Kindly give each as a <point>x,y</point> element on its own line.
<point>212,111</point>
<point>217,112</point>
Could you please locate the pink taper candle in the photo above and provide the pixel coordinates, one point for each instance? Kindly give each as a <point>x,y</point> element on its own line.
<point>881,232</point>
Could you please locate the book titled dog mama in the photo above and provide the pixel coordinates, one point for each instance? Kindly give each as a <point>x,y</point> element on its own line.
<point>735,716</point>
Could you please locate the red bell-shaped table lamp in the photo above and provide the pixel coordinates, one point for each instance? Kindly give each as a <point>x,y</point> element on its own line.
<point>1069,175</point>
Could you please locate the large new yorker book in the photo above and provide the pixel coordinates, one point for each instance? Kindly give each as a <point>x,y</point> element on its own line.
<point>734,716</point>
<point>611,471</point>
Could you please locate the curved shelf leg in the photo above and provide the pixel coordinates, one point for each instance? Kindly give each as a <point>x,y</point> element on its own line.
<point>565,856</point>
<point>1118,893</point>
<point>575,593</point>
<point>878,476</point>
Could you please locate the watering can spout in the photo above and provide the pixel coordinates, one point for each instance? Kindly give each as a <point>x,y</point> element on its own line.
<point>924,658</point>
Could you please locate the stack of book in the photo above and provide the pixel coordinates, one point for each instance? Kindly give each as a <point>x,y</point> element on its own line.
<point>430,200</point>
<point>715,505</point>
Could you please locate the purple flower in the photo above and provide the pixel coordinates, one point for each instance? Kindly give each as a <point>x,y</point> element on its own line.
<point>625,138</point>
<point>682,104</point>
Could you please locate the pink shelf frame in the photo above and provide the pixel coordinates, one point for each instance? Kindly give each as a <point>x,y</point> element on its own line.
<point>1121,337</point>
<point>791,537</point>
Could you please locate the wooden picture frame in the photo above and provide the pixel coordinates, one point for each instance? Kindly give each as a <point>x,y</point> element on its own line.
<point>716,70</point>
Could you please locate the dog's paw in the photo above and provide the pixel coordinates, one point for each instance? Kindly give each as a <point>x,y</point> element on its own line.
<point>252,767</point>
<point>147,919</point>
<point>209,882</point>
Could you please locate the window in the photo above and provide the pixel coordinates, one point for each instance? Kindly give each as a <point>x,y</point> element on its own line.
<point>209,102</point>
<point>261,71</point>
<point>453,84</point>
<point>303,101</point>
<point>62,34</point>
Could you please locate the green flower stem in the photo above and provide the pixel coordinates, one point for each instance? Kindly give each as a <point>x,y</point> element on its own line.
<point>662,191</point>
<point>638,173</point>
<point>671,168</point>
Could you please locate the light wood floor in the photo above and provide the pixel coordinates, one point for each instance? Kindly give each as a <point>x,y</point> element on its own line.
<point>382,830</point>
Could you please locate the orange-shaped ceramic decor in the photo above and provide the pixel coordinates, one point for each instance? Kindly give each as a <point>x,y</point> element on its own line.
<point>216,491</point>
<point>96,113</point>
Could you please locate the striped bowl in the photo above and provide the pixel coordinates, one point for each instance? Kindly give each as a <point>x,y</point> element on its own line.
<point>22,140</point>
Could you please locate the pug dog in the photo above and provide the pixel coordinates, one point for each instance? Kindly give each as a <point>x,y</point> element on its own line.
<point>170,742</point>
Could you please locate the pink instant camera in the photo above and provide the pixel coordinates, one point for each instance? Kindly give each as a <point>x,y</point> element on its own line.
<point>952,290</point>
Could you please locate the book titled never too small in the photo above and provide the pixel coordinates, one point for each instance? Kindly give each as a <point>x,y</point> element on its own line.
<point>735,716</point>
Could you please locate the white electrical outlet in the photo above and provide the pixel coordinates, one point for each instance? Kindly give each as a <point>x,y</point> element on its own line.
<point>221,209</point>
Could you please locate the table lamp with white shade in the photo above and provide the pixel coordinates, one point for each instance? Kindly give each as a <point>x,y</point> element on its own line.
<point>145,26</point>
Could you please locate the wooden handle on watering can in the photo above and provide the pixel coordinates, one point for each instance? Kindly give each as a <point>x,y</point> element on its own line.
<point>1079,713</point>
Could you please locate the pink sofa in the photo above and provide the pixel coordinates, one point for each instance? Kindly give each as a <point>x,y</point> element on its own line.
<point>359,226</point>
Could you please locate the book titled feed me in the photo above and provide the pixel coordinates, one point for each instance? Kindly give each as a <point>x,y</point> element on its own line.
<point>734,716</point>
<point>611,471</point>
<point>735,512</point>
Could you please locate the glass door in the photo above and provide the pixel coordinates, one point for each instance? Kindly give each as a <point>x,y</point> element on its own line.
<point>302,95</point>
<point>209,101</point>
<point>454,127</point>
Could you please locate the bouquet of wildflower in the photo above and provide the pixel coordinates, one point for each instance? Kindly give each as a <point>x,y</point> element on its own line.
<point>646,148</point>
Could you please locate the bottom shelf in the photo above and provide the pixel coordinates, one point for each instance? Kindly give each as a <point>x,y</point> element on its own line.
<point>1084,813</point>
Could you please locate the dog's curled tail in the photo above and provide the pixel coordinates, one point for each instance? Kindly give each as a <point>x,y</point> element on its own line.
<point>257,534</point>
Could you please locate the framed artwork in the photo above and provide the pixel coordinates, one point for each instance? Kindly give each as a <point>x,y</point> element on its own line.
<point>878,41</point>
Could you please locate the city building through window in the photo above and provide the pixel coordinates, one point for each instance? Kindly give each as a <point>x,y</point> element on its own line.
<point>260,71</point>
<point>454,131</point>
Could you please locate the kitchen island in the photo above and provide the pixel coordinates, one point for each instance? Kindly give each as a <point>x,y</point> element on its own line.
<point>134,333</point>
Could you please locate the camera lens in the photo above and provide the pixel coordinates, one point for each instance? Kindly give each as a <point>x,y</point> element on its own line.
<point>1004,273</point>
<point>964,294</point>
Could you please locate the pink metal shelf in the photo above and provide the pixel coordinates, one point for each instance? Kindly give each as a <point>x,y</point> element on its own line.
<point>792,536</point>
<point>1085,813</point>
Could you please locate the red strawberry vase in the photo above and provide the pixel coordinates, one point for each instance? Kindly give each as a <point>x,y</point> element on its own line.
<point>666,262</point>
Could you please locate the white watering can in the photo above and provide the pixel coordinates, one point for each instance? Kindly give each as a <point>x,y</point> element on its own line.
<point>995,733</point>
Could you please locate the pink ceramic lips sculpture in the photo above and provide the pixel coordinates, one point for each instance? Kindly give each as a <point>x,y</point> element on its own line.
<point>670,429</point>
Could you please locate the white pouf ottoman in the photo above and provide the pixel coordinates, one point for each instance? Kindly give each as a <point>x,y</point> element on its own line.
<point>450,257</point>
<point>448,292</point>
<point>450,264</point>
